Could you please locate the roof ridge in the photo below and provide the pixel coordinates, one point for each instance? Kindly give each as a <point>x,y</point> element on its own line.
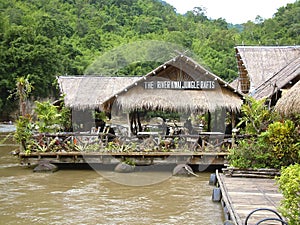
<point>267,46</point>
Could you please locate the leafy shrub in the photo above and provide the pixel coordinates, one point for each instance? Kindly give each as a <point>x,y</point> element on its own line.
<point>65,119</point>
<point>277,143</point>
<point>289,184</point>
<point>256,116</point>
<point>283,143</point>
<point>24,130</point>
<point>249,154</point>
<point>278,146</point>
<point>48,117</point>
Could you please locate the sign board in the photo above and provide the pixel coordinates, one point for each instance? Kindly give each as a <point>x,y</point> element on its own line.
<point>182,85</point>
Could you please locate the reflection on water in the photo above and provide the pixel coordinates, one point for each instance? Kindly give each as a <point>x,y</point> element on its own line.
<point>7,128</point>
<point>136,178</point>
<point>85,197</point>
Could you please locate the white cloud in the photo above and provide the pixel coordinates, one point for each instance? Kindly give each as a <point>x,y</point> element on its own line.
<point>234,11</point>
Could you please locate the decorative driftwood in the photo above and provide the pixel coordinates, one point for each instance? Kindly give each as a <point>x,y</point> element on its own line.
<point>251,173</point>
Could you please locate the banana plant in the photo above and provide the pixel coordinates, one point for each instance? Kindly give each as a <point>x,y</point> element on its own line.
<point>48,117</point>
<point>256,116</point>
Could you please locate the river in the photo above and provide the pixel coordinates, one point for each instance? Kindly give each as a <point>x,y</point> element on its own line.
<point>86,197</point>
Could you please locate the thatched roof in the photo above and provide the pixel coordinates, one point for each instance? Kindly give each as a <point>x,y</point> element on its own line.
<point>185,69</point>
<point>289,103</point>
<point>284,77</point>
<point>129,93</point>
<point>256,64</point>
<point>178,100</point>
<point>90,92</point>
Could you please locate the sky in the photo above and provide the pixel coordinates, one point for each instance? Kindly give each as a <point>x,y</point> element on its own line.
<point>233,11</point>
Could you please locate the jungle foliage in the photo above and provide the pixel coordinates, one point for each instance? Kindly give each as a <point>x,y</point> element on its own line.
<point>256,116</point>
<point>275,142</point>
<point>47,118</point>
<point>42,39</point>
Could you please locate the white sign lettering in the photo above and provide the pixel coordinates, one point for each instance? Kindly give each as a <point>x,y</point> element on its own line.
<point>188,85</point>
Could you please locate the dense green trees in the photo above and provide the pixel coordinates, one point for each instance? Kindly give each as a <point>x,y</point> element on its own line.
<point>47,38</point>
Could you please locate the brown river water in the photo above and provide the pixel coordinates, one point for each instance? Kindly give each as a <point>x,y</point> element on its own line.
<point>87,197</point>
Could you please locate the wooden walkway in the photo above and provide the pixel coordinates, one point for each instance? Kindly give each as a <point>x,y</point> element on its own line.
<point>240,196</point>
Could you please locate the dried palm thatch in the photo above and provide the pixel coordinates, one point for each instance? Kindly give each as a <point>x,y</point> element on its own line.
<point>129,93</point>
<point>179,68</point>
<point>289,103</point>
<point>257,64</point>
<point>178,100</point>
<point>89,92</point>
<point>279,80</point>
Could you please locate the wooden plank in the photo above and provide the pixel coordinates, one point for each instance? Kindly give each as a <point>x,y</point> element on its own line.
<point>243,195</point>
<point>226,199</point>
<point>195,158</point>
<point>35,154</point>
<point>254,173</point>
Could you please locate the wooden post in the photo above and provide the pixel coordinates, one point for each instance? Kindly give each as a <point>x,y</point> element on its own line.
<point>233,119</point>
<point>128,122</point>
<point>209,122</point>
<point>215,128</point>
<point>139,121</point>
<point>223,121</point>
<point>233,126</point>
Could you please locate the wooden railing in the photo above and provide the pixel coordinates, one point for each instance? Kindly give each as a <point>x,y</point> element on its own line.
<point>144,141</point>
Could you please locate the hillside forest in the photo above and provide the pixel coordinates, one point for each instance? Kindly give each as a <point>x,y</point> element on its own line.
<point>42,39</point>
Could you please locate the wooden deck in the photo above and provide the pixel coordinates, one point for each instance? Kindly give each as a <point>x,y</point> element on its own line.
<point>206,148</point>
<point>241,196</point>
<point>190,157</point>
